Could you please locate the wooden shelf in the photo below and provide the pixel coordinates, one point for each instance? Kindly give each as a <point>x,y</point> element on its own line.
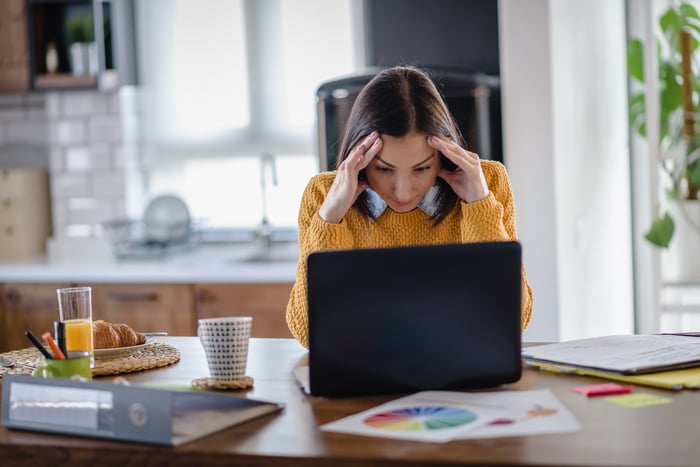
<point>64,80</point>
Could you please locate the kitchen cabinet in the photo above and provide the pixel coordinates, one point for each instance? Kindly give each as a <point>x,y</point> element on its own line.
<point>266,303</point>
<point>67,44</point>
<point>26,306</point>
<point>173,308</point>
<point>25,218</point>
<point>14,49</point>
<point>145,307</point>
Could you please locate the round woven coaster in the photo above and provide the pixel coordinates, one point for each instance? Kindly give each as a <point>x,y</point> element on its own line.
<point>155,355</point>
<point>211,383</point>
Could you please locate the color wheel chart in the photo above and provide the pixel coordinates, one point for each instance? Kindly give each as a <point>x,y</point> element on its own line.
<point>420,418</point>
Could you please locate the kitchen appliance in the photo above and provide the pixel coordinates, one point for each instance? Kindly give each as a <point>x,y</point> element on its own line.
<point>474,99</point>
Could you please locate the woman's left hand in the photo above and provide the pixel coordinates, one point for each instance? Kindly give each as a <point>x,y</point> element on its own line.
<point>467,180</point>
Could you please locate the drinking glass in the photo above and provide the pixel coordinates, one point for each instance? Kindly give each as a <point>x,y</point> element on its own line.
<point>75,310</point>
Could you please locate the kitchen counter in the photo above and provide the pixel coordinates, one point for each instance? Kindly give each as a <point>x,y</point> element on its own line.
<point>216,263</point>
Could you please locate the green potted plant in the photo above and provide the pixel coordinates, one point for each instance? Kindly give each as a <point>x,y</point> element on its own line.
<point>79,28</point>
<point>677,42</point>
<point>81,36</point>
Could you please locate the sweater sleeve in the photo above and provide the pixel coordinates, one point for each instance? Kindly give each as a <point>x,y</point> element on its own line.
<point>493,219</point>
<point>315,234</point>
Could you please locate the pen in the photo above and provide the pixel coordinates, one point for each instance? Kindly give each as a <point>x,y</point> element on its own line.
<point>60,333</point>
<point>30,335</point>
<point>52,343</point>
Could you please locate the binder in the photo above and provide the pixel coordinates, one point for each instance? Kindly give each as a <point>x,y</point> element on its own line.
<point>119,412</point>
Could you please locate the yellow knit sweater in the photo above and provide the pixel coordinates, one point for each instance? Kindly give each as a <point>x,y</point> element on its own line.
<point>490,219</point>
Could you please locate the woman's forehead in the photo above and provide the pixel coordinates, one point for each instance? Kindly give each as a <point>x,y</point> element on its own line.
<point>406,150</point>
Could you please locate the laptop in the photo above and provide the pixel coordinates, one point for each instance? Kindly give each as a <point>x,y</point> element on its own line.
<point>408,319</point>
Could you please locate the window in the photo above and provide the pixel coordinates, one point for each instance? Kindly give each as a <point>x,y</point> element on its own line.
<point>227,81</point>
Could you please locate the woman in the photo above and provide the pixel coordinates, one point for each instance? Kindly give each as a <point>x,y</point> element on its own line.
<point>403,178</point>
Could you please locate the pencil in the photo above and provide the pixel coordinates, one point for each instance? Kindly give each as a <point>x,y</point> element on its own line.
<point>52,343</point>
<point>32,338</point>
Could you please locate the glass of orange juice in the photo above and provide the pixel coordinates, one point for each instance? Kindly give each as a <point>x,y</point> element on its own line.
<point>75,310</point>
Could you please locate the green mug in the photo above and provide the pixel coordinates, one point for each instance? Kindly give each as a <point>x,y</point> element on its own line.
<point>77,364</point>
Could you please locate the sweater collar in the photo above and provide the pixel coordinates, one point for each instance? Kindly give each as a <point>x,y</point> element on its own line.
<point>428,204</point>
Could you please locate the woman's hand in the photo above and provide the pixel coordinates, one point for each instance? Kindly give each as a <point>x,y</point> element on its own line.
<point>347,186</point>
<point>467,180</point>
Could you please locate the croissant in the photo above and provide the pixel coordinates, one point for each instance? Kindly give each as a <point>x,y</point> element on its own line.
<point>110,335</point>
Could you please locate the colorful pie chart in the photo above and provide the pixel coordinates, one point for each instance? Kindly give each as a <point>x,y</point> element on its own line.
<point>420,418</point>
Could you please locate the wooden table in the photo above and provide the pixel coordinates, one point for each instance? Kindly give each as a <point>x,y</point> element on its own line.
<point>662,435</point>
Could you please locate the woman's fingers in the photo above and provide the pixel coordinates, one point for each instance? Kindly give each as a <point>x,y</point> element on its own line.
<point>347,186</point>
<point>467,180</point>
<point>454,152</point>
<point>365,151</point>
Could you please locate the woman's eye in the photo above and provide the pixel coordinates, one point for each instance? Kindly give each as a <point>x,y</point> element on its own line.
<point>422,169</point>
<point>385,170</point>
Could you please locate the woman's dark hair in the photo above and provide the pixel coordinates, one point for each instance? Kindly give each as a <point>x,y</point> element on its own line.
<point>396,102</point>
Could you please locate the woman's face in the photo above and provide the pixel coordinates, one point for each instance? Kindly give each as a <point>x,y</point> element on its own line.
<point>403,171</point>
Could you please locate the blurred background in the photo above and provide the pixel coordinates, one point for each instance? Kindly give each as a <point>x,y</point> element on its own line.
<point>134,126</point>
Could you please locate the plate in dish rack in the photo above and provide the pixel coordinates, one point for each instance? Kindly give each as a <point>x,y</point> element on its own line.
<point>122,351</point>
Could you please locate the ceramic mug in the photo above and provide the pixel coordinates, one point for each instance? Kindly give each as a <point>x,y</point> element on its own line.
<point>76,365</point>
<point>225,342</point>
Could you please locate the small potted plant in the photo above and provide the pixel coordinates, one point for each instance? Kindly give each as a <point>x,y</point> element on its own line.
<point>677,40</point>
<point>81,37</point>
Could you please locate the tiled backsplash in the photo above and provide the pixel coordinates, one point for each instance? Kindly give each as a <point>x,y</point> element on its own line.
<point>93,147</point>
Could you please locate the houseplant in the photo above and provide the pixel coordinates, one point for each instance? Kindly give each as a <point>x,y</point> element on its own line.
<point>81,37</point>
<point>677,43</point>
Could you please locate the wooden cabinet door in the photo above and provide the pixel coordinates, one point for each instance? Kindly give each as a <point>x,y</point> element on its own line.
<point>26,306</point>
<point>266,303</point>
<point>146,307</point>
<point>14,51</point>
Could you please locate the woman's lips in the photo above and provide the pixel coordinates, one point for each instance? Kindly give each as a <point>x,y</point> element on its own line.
<point>402,206</point>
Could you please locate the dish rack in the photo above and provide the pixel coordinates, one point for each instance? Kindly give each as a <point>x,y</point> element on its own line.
<point>138,239</point>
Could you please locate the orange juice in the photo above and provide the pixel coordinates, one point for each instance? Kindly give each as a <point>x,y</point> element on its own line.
<point>79,335</point>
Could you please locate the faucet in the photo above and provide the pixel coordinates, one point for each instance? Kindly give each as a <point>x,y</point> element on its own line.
<point>264,233</point>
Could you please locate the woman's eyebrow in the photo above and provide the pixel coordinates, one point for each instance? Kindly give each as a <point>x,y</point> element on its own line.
<point>413,167</point>
<point>424,161</point>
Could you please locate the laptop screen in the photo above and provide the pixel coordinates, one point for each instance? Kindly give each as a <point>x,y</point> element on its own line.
<point>406,319</point>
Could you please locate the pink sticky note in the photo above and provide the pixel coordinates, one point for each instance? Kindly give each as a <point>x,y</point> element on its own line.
<point>604,389</point>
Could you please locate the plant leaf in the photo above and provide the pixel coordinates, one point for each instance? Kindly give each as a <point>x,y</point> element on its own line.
<point>637,113</point>
<point>669,22</point>
<point>635,59</point>
<point>694,172</point>
<point>661,231</point>
<point>671,90</point>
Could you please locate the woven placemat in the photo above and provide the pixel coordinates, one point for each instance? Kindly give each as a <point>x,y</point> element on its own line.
<point>155,355</point>
<point>211,383</point>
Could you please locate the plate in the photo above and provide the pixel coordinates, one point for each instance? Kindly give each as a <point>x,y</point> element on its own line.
<point>122,351</point>
<point>166,219</point>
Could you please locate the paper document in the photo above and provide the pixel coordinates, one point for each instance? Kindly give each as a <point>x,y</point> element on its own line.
<point>441,416</point>
<point>626,354</point>
<point>684,378</point>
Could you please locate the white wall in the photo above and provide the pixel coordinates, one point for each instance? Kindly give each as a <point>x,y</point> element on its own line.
<point>566,147</point>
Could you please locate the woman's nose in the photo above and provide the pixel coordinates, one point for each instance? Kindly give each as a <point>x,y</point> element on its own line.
<point>402,189</point>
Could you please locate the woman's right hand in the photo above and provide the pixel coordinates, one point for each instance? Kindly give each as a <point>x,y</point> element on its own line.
<point>347,186</point>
